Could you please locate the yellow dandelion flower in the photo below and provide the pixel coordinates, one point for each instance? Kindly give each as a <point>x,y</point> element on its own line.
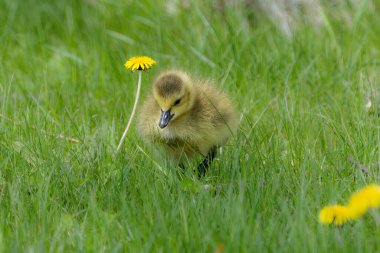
<point>135,63</point>
<point>358,205</point>
<point>139,63</point>
<point>361,201</point>
<point>334,214</point>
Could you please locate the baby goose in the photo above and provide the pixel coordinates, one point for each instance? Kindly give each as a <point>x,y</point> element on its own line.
<point>188,117</point>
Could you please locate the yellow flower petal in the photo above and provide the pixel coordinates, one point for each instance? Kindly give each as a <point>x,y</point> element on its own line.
<point>334,214</point>
<point>139,63</point>
<point>361,201</point>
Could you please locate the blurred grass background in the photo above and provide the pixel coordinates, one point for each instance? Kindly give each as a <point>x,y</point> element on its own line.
<point>304,74</point>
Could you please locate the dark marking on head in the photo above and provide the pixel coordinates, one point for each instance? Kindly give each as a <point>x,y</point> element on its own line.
<point>168,85</point>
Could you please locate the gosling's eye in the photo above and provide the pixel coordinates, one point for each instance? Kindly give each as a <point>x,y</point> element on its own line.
<point>177,102</point>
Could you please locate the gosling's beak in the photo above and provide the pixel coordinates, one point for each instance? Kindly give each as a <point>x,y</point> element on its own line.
<point>166,116</point>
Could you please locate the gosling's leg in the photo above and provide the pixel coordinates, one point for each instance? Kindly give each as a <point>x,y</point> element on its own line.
<point>206,162</point>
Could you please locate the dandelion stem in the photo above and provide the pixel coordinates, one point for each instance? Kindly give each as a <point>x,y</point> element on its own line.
<point>133,113</point>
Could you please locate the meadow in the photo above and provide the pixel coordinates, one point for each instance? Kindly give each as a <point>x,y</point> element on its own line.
<point>309,133</point>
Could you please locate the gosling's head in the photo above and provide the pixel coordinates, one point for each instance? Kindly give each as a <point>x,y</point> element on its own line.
<point>174,93</point>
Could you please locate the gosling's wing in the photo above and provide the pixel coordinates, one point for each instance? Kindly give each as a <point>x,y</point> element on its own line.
<point>219,108</point>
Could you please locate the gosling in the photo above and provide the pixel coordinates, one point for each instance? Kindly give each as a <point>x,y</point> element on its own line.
<point>188,117</point>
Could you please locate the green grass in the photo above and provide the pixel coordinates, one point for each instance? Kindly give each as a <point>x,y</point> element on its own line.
<point>302,101</point>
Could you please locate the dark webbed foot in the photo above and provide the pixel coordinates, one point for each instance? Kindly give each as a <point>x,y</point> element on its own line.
<point>206,162</point>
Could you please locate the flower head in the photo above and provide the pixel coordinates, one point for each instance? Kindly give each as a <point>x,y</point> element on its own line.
<point>361,201</point>
<point>139,63</point>
<point>358,205</point>
<point>334,214</point>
